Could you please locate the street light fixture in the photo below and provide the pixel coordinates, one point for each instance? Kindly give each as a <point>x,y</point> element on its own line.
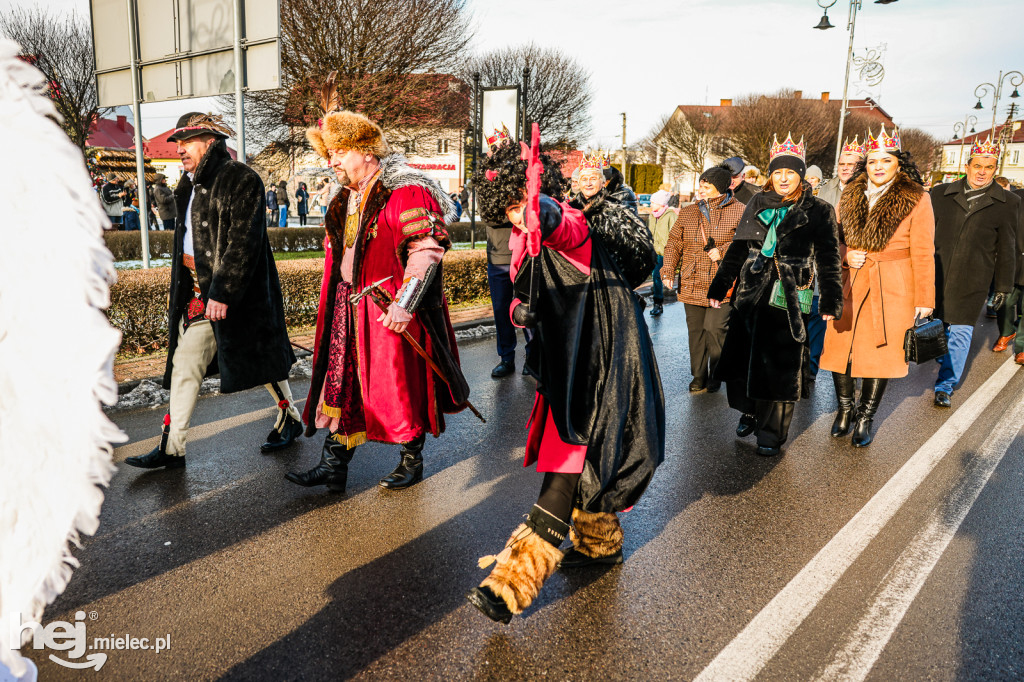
<point>851,25</point>
<point>1015,78</point>
<point>961,126</point>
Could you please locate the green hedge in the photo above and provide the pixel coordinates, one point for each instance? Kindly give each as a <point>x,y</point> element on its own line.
<point>644,178</point>
<point>128,245</point>
<point>138,301</point>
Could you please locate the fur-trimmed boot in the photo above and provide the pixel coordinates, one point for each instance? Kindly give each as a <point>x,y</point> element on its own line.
<point>596,539</point>
<point>530,556</point>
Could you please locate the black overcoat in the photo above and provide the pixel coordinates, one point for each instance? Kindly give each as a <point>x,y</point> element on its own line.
<point>236,267</point>
<point>766,346</point>
<point>972,250</point>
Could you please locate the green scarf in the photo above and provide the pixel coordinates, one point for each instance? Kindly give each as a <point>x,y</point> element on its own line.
<point>771,217</point>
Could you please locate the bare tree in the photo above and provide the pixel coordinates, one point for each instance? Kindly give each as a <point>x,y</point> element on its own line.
<point>59,45</point>
<point>390,56</point>
<point>559,94</point>
<point>925,149</point>
<point>688,137</point>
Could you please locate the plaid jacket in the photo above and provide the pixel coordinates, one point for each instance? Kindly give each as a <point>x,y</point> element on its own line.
<point>685,248</point>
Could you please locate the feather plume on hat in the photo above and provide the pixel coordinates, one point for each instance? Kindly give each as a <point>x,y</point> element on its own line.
<point>344,129</point>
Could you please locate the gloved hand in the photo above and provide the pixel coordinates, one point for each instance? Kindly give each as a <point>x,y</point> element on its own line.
<point>550,215</point>
<point>999,299</point>
<point>522,316</point>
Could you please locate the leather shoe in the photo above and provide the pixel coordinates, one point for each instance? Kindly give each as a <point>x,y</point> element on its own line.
<point>490,604</point>
<point>942,399</point>
<point>1019,358</point>
<point>748,423</point>
<point>576,559</point>
<point>278,440</point>
<point>697,385</point>
<point>503,369</point>
<point>1003,342</point>
<point>155,459</point>
<point>409,470</point>
<point>658,309</point>
<point>769,450</point>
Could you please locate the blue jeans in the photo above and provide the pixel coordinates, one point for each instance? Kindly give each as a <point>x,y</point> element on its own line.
<point>131,221</point>
<point>500,283</point>
<point>283,221</point>
<point>951,365</point>
<point>323,210</point>
<point>657,288</point>
<point>815,335</point>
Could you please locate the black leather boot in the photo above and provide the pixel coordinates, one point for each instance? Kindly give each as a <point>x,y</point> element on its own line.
<point>156,458</point>
<point>409,470</point>
<point>747,425</point>
<point>280,439</point>
<point>870,397</point>
<point>845,387</point>
<point>332,471</point>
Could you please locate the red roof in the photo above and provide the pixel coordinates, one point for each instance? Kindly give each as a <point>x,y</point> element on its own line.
<point>570,160</point>
<point>112,133</point>
<point>868,107</point>
<point>160,147</point>
<point>1018,135</point>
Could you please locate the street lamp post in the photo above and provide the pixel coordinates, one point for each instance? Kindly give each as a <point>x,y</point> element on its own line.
<point>1016,78</point>
<point>851,25</point>
<point>962,127</point>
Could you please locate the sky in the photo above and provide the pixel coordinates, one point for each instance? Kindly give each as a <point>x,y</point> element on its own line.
<point>646,57</point>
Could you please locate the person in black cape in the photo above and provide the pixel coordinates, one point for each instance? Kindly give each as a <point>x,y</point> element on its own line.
<point>597,429</point>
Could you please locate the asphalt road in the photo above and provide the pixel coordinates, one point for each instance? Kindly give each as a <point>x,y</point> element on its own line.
<point>899,561</point>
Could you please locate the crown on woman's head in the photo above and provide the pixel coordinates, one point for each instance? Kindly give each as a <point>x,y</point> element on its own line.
<point>986,148</point>
<point>788,148</point>
<point>883,143</point>
<point>854,147</point>
<point>499,136</point>
<point>596,161</point>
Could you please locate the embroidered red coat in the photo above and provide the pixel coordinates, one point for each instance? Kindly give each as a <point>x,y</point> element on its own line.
<point>402,397</point>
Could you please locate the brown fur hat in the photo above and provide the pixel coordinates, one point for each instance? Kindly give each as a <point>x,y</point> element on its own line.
<point>348,130</point>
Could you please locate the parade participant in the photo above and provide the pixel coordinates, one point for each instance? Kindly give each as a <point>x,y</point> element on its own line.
<point>699,239</point>
<point>785,239</point>
<point>852,153</point>
<point>660,221</point>
<point>574,183</point>
<point>368,383</point>
<point>1010,317</point>
<point>741,189</point>
<point>976,224</point>
<point>607,213</point>
<point>226,314</point>
<point>499,282</point>
<point>888,280</point>
<point>597,429</point>
<point>813,178</point>
<point>617,188</point>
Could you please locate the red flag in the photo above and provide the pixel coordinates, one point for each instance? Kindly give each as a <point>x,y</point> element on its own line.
<point>534,169</point>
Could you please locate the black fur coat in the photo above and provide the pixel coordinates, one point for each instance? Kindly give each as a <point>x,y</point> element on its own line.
<point>235,266</point>
<point>766,346</point>
<point>625,236</point>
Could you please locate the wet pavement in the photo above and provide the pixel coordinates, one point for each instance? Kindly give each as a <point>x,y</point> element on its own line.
<point>253,578</point>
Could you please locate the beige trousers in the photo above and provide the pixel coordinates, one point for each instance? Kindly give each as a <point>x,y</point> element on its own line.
<point>196,347</point>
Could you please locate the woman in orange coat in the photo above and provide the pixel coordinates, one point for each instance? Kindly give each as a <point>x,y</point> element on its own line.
<point>888,279</point>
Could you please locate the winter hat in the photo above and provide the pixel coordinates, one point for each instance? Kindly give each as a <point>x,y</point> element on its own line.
<point>660,197</point>
<point>813,172</point>
<point>196,123</point>
<point>793,163</point>
<point>788,154</point>
<point>719,176</point>
<point>735,165</point>
<point>341,129</point>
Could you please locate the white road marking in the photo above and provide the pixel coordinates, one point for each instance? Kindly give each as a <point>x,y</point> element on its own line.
<point>760,640</point>
<point>905,579</point>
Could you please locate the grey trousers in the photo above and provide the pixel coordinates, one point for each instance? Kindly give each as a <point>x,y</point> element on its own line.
<point>706,328</point>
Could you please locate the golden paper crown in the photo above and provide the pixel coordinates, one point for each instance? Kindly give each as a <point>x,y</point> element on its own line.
<point>499,136</point>
<point>854,147</point>
<point>986,148</point>
<point>788,148</point>
<point>883,143</point>
<point>597,161</point>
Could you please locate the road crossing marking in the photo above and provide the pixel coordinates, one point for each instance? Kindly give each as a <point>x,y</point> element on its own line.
<point>747,654</point>
<point>905,579</point>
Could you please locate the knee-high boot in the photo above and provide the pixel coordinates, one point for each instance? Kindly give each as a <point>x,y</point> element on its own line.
<point>596,539</point>
<point>530,556</point>
<point>410,467</point>
<point>870,397</point>
<point>332,470</point>
<point>845,386</point>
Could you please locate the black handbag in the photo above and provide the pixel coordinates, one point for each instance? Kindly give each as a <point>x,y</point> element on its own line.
<point>925,341</point>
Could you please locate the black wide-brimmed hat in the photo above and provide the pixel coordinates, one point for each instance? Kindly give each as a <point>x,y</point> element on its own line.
<point>197,123</point>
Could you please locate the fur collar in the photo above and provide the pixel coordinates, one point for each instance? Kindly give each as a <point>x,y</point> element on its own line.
<point>871,230</point>
<point>396,172</point>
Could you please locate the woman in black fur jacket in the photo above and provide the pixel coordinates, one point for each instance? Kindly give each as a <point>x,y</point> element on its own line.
<point>786,235</point>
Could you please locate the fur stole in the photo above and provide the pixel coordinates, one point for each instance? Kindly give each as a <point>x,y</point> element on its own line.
<point>396,172</point>
<point>871,230</point>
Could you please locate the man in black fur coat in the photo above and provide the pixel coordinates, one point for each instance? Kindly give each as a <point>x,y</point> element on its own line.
<point>226,314</point>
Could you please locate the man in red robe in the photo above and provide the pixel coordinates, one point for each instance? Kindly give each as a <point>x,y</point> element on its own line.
<point>387,223</point>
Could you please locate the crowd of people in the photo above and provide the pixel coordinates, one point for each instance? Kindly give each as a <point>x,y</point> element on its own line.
<point>777,280</point>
